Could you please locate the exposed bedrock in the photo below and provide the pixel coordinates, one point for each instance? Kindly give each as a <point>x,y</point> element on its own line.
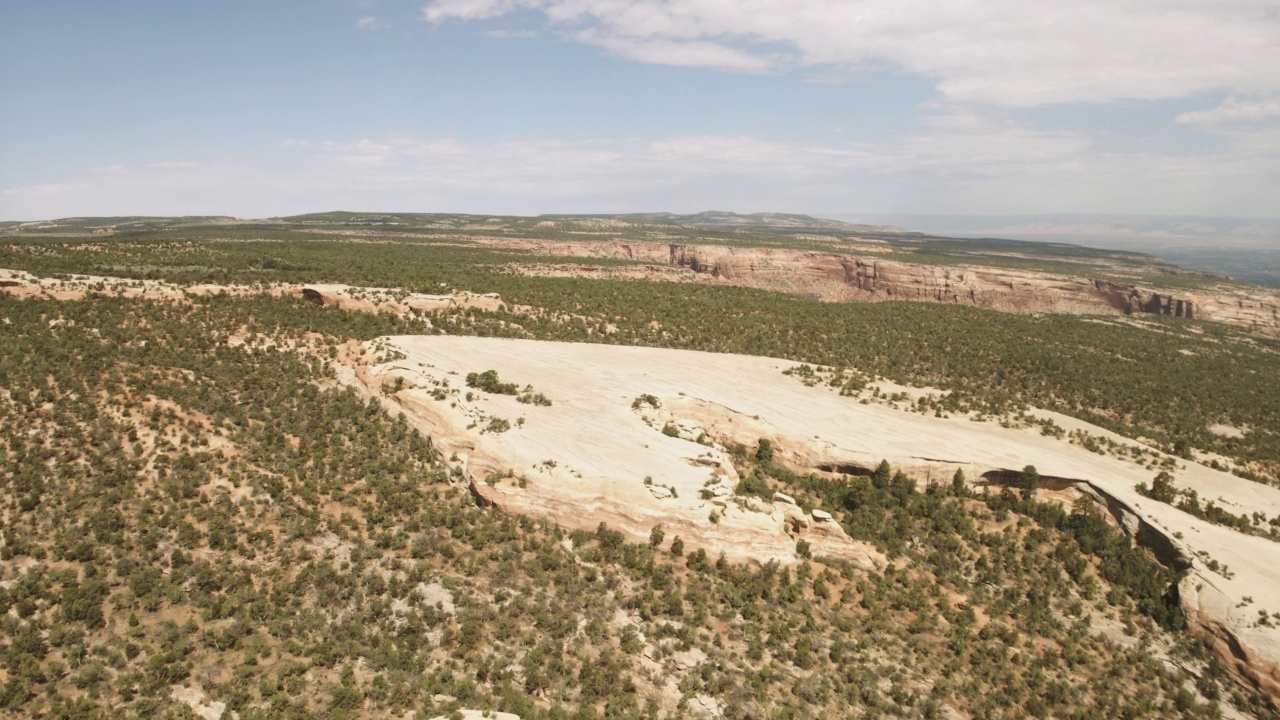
<point>637,437</point>
<point>394,301</point>
<point>1209,611</point>
<point>843,278</point>
<point>1204,605</point>
<point>551,469</point>
<point>837,277</point>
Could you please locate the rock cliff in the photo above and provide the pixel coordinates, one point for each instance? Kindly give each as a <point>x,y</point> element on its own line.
<point>842,278</point>
<point>868,277</point>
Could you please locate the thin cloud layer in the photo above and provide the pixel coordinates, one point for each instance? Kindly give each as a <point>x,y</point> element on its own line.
<point>678,53</point>
<point>1234,111</point>
<point>952,164</point>
<point>999,52</point>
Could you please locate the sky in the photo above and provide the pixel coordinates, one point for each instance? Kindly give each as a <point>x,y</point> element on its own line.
<point>828,107</point>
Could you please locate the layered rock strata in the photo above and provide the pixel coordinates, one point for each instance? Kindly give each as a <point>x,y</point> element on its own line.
<point>837,277</point>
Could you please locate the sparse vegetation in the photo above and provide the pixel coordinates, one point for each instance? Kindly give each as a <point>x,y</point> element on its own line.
<point>529,396</point>
<point>1188,500</point>
<point>645,400</point>
<point>190,500</point>
<point>986,362</point>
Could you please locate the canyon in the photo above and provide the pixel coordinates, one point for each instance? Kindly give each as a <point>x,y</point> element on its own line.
<point>601,452</point>
<point>864,274</point>
<point>399,471</point>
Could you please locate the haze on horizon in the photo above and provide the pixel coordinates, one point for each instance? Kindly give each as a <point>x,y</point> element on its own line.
<point>834,109</point>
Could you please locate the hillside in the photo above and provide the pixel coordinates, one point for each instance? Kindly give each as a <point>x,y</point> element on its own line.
<point>333,470</point>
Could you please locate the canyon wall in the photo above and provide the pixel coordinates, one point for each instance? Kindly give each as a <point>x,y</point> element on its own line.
<point>841,278</point>
<point>836,277</point>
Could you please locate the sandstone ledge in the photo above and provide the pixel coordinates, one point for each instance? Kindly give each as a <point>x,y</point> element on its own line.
<point>585,460</point>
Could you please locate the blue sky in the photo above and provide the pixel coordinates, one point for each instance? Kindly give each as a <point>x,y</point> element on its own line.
<point>527,106</point>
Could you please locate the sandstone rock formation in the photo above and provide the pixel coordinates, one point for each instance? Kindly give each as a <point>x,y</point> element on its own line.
<point>479,715</point>
<point>23,284</point>
<point>393,301</point>
<point>1205,607</point>
<point>867,277</point>
<point>591,457</point>
<point>841,278</point>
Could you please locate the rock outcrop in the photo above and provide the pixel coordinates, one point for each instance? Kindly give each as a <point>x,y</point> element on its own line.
<point>841,278</point>
<point>479,715</point>
<point>1205,607</point>
<point>593,455</point>
<point>1212,615</point>
<point>394,301</point>
<point>363,299</point>
<point>590,457</point>
<point>868,277</point>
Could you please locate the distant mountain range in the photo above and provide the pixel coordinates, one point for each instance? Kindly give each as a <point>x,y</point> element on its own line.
<point>1114,229</point>
<point>1245,248</point>
<point>760,222</point>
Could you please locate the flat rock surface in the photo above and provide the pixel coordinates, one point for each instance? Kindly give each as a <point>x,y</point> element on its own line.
<point>592,457</point>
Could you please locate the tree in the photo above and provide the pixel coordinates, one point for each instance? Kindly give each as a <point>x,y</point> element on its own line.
<point>803,549</point>
<point>764,450</point>
<point>1162,488</point>
<point>1027,480</point>
<point>488,381</point>
<point>880,479</point>
<point>697,560</point>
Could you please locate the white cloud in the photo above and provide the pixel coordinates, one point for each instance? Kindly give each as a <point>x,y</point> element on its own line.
<point>368,22</point>
<point>30,192</point>
<point>506,34</point>
<point>1003,52</point>
<point>695,53</point>
<point>957,163</point>
<point>467,9</point>
<point>1233,111</point>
